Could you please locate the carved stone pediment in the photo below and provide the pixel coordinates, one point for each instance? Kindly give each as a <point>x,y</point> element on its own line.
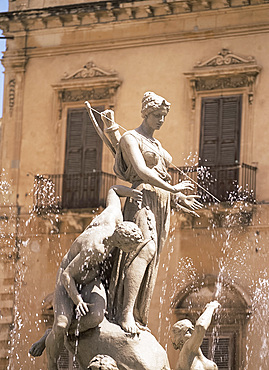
<point>89,70</point>
<point>224,71</point>
<point>225,58</point>
<point>87,83</point>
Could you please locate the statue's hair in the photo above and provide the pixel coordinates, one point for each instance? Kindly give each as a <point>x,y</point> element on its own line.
<point>151,102</point>
<point>127,234</point>
<point>178,332</point>
<point>103,362</point>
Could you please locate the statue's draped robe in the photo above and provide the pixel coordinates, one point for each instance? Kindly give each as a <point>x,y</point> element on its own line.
<point>153,219</point>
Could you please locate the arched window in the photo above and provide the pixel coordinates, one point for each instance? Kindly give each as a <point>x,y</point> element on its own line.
<point>226,344</point>
<point>221,120</point>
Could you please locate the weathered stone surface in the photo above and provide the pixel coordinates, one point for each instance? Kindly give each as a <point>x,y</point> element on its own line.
<point>139,352</point>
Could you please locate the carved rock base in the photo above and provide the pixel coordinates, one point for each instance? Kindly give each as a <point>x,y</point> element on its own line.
<point>141,352</point>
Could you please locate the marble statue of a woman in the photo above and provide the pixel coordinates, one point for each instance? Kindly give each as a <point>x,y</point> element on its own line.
<point>142,161</point>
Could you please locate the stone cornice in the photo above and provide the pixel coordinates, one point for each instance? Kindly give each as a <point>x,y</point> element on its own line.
<point>15,62</point>
<point>129,31</point>
<point>111,11</point>
<point>124,42</point>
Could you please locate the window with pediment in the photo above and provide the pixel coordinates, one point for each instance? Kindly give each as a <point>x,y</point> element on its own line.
<point>82,176</point>
<point>222,97</point>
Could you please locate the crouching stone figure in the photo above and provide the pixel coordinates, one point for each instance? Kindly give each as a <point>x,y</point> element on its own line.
<point>79,289</point>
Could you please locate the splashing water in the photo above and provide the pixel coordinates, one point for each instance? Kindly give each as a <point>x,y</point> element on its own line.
<point>21,241</point>
<point>233,229</point>
<point>237,247</point>
<point>184,275</point>
<point>257,325</point>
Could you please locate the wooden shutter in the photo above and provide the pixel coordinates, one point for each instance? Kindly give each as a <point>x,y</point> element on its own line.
<point>83,160</point>
<point>83,145</point>
<point>63,360</point>
<point>220,144</point>
<point>74,141</point>
<point>209,131</point>
<point>220,131</point>
<point>221,352</point>
<point>230,122</point>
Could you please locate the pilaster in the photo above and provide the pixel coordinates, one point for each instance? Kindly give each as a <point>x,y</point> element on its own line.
<point>15,66</point>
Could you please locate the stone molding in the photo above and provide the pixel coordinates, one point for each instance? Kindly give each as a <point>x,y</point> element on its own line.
<point>11,95</point>
<point>224,58</point>
<point>87,83</point>
<point>224,71</point>
<point>241,307</point>
<point>89,70</point>
<point>107,11</point>
<point>56,20</point>
<point>16,63</point>
<point>82,95</point>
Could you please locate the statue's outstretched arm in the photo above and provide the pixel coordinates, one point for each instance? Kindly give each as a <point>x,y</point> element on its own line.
<point>201,326</point>
<point>117,191</point>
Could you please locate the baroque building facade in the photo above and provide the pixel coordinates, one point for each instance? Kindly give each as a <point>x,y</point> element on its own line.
<point>209,59</point>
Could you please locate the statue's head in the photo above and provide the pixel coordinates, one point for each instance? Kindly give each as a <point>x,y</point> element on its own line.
<point>152,102</point>
<point>181,332</point>
<point>127,236</point>
<point>102,362</point>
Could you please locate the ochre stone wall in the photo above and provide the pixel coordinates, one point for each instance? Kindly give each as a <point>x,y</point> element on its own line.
<point>142,46</point>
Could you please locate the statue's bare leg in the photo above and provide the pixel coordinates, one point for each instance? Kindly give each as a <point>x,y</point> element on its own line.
<point>63,312</point>
<point>38,347</point>
<point>133,279</point>
<point>95,295</point>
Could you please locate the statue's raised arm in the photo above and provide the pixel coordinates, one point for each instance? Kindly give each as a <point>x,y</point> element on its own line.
<point>188,339</point>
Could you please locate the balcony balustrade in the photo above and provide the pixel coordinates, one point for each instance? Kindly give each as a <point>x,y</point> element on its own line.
<point>226,183</point>
<point>77,191</point>
<point>71,191</point>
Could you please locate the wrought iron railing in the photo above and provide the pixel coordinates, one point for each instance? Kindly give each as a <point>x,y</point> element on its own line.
<point>76,191</point>
<point>72,191</point>
<point>226,183</point>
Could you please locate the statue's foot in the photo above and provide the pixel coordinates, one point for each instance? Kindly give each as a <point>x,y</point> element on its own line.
<point>37,348</point>
<point>143,327</point>
<point>128,323</point>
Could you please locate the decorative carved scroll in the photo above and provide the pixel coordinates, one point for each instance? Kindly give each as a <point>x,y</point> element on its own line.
<point>214,83</point>
<point>90,70</point>
<point>12,84</point>
<point>83,95</point>
<point>224,58</point>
